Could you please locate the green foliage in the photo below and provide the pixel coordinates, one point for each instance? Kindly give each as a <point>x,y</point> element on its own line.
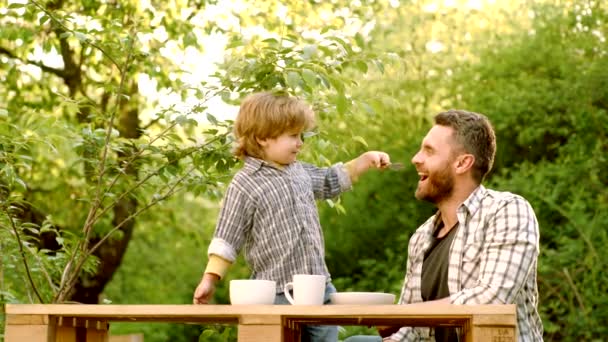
<point>544,88</point>
<point>74,150</point>
<point>546,95</point>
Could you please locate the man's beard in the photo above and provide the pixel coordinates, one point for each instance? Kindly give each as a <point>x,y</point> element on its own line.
<point>439,186</point>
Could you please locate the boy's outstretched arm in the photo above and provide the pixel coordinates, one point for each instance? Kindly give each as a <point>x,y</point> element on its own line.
<point>366,161</point>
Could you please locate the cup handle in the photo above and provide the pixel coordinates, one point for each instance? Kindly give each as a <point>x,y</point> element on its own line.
<point>289,286</point>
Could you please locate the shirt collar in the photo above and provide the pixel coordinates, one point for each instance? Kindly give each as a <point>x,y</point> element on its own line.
<point>252,165</point>
<point>473,202</point>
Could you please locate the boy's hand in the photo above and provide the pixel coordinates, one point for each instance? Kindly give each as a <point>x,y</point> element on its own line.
<point>205,289</point>
<point>364,162</point>
<point>376,159</point>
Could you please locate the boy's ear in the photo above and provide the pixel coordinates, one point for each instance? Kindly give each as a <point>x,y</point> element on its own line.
<point>262,142</point>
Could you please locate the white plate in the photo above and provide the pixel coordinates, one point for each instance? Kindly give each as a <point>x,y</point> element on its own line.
<point>358,298</point>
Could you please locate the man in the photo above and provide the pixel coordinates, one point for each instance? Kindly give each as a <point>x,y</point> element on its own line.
<point>481,247</point>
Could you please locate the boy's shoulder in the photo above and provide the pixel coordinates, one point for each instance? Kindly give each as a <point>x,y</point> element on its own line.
<point>249,177</point>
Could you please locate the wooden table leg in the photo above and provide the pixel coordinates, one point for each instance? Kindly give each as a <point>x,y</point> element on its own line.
<point>291,330</point>
<point>495,328</point>
<point>267,328</point>
<point>34,328</point>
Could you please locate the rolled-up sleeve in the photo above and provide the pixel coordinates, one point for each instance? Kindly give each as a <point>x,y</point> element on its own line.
<point>507,257</point>
<point>234,221</point>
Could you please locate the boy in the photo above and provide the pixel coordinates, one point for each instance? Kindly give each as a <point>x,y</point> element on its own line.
<point>269,208</point>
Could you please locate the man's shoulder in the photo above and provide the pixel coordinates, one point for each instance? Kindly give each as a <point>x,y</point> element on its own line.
<point>502,197</point>
<point>495,201</point>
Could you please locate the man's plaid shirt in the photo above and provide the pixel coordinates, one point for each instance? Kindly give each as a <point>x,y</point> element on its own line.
<point>492,260</point>
<point>271,213</point>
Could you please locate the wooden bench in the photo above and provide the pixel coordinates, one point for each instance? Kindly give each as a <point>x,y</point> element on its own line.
<point>78,323</point>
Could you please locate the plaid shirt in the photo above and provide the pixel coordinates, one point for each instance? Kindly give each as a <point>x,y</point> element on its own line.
<point>271,213</point>
<point>492,260</point>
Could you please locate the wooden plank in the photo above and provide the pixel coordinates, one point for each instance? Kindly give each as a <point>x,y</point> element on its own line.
<point>30,333</point>
<point>495,329</point>
<point>127,338</point>
<point>95,335</point>
<point>260,333</point>
<point>508,320</point>
<point>234,311</point>
<point>260,319</point>
<point>27,319</point>
<point>78,322</point>
<point>273,322</point>
<point>65,334</point>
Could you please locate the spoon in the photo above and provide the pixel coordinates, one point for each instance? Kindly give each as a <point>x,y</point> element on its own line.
<point>396,166</point>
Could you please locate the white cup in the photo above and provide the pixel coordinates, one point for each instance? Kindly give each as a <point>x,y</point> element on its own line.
<point>252,291</point>
<point>308,289</point>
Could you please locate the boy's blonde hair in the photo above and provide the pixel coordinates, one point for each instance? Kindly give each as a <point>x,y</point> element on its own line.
<point>266,116</point>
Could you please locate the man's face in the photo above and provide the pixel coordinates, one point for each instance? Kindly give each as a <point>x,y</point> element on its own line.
<point>434,163</point>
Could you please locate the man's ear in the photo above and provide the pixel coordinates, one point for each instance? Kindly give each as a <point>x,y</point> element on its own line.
<point>464,163</point>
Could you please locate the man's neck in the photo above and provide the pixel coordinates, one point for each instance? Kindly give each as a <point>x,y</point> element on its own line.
<point>449,206</point>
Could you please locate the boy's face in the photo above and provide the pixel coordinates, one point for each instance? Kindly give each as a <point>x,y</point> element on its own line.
<point>283,149</point>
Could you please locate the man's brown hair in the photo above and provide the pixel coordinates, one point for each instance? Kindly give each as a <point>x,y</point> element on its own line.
<point>267,115</point>
<point>475,135</point>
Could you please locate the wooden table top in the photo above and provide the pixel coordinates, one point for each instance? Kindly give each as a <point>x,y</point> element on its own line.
<point>155,312</point>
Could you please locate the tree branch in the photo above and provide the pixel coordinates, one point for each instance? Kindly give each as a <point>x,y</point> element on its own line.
<point>10,54</point>
<point>87,253</point>
<point>22,251</point>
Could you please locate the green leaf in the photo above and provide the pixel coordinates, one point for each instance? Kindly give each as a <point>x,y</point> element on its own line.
<point>379,65</point>
<point>360,140</point>
<point>359,40</point>
<point>43,19</point>
<point>83,38</point>
<point>271,41</point>
<point>341,103</point>
<point>337,83</point>
<point>309,51</point>
<point>293,79</point>
<point>362,66</point>
<point>309,77</point>
<point>340,208</point>
<point>21,183</point>
<point>368,108</point>
<point>212,119</point>
<point>16,5</point>
<point>342,44</point>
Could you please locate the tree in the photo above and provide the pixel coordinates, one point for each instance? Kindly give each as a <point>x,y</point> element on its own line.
<point>85,122</point>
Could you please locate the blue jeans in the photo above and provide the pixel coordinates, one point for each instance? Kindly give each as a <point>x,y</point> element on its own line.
<point>364,338</point>
<point>315,333</point>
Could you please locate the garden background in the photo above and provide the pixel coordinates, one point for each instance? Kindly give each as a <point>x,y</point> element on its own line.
<point>115,140</point>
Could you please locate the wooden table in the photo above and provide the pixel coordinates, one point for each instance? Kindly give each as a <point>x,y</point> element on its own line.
<point>79,323</point>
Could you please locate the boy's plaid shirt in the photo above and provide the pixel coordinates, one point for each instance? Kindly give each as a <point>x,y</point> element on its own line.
<point>271,213</point>
<point>492,260</point>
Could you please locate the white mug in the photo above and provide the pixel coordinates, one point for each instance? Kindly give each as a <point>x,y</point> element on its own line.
<point>308,289</point>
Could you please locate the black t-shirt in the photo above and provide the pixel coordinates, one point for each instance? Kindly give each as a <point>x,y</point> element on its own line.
<point>434,280</point>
